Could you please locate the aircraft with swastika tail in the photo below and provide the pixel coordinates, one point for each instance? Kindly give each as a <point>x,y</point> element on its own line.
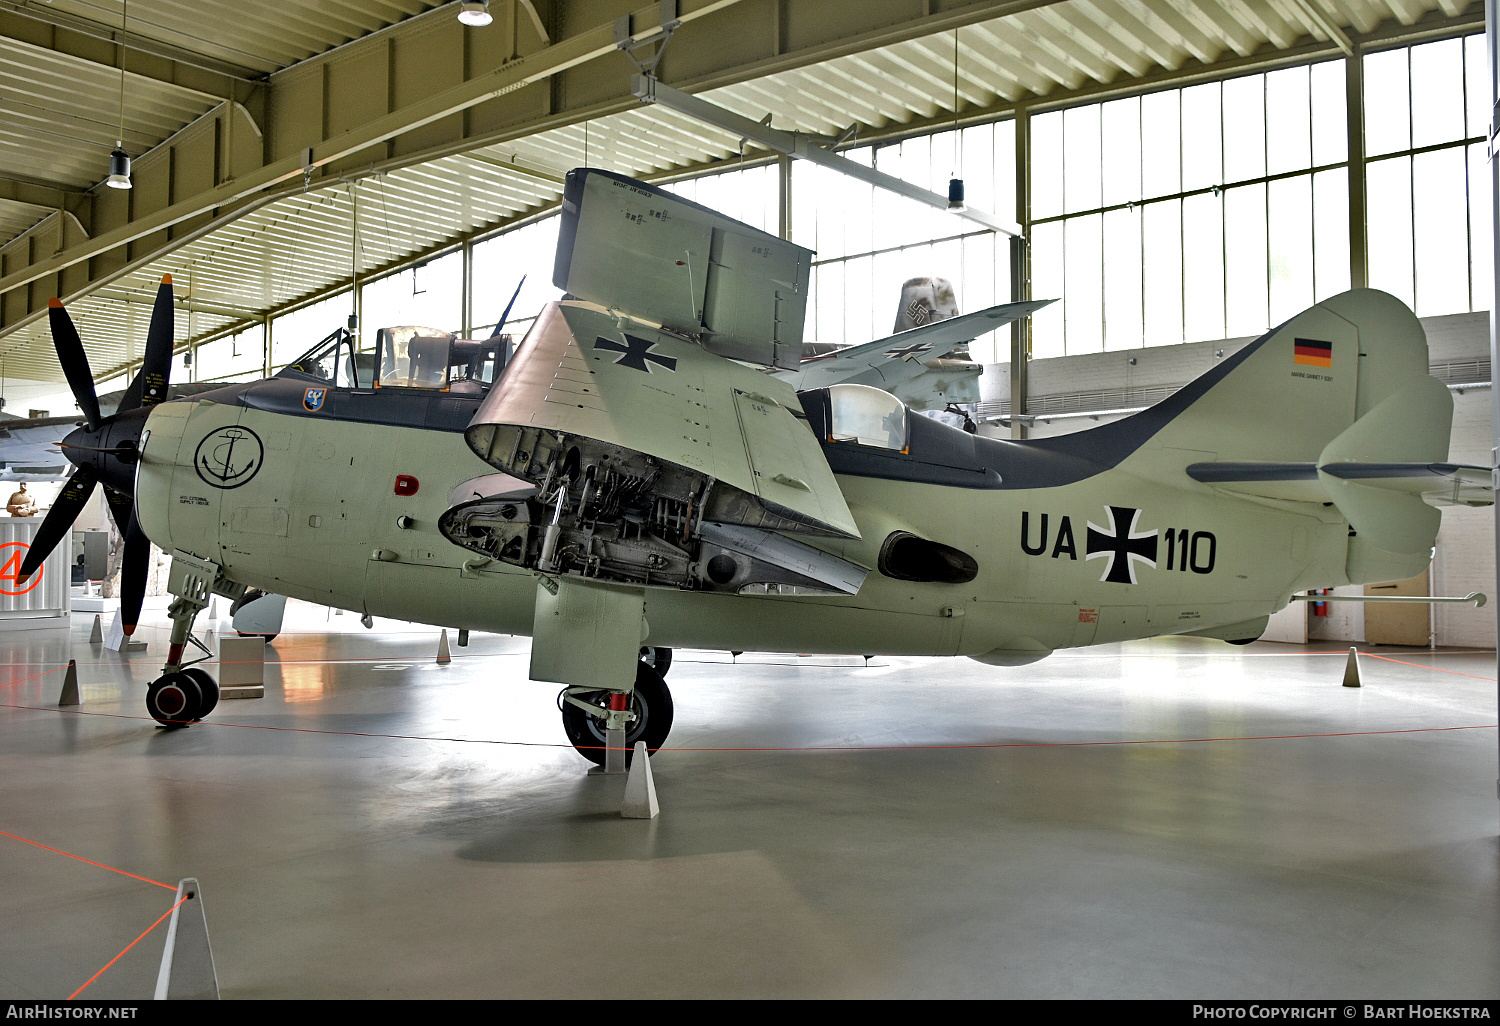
<point>644,475</point>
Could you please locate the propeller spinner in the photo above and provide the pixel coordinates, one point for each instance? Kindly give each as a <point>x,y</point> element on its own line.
<point>106,449</point>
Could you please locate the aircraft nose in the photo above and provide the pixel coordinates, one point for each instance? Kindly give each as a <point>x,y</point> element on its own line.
<point>111,449</point>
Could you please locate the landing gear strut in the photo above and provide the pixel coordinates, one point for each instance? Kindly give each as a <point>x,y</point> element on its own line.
<point>648,714</point>
<point>184,694</point>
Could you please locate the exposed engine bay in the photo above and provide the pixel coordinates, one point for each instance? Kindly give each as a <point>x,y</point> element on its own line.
<point>610,513</point>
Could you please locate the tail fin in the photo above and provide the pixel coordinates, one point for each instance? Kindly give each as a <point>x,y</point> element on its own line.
<point>1334,405</point>
<point>1288,395</point>
<point>924,300</point>
<point>1284,397</point>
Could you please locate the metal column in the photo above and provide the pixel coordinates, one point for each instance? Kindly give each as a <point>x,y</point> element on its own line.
<point>1020,276</point>
<point>467,286</point>
<point>1354,99</point>
<point>784,196</point>
<point>1492,49</point>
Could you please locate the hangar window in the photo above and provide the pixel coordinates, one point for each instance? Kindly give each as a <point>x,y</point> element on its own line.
<point>1428,191</point>
<point>866,416</point>
<point>1206,212</point>
<point>501,264</point>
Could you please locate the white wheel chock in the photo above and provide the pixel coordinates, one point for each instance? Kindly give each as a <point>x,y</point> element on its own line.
<point>70,686</point>
<point>187,962</point>
<point>640,789</point>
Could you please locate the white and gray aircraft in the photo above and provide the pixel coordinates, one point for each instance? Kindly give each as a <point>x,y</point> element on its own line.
<point>678,491</point>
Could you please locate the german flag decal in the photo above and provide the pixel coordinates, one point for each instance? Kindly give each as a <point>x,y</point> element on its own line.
<point>1313,353</point>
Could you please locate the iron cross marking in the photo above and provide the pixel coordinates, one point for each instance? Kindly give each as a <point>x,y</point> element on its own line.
<point>637,352</point>
<point>910,353</point>
<point>1123,545</point>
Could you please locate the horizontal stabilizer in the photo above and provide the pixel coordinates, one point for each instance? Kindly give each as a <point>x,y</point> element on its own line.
<point>1438,484</point>
<point>1410,425</point>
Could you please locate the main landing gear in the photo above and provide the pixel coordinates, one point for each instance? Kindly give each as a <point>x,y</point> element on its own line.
<point>184,693</point>
<point>646,712</point>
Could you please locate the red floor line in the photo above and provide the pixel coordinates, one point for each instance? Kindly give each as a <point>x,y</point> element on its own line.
<point>1424,666</point>
<point>34,676</point>
<point>811,748</point>
<point>80,858</point>
<point>132,944</point>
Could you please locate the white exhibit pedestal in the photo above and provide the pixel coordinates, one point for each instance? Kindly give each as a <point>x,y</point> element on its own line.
<point>44,601</point>
<point>86,599</point>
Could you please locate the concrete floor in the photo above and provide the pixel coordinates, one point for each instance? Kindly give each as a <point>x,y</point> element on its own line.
<point>1347,864</point>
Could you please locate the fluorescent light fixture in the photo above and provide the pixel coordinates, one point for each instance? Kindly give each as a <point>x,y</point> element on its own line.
<point>475,13</point>
<point>119,168</point>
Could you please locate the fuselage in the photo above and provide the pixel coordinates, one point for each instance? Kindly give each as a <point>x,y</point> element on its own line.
<point>337,501</point>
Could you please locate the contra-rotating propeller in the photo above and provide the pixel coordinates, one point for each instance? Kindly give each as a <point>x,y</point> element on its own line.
<point>107,448</point>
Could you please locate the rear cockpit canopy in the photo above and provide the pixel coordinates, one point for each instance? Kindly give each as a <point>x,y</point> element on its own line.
<point>866,416</point>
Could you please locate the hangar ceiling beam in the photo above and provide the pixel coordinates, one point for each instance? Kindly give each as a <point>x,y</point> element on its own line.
<point>42,194</point>
<point>287,123</point>
<point>425,89</point>
<point>99,42</point>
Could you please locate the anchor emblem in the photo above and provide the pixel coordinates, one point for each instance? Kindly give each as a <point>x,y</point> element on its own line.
<point>229,457</point>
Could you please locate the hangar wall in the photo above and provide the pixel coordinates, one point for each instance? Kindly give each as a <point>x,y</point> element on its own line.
<point>1072,388</point>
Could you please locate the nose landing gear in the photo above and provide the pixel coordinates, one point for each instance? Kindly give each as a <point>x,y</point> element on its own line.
<point>184,693</point>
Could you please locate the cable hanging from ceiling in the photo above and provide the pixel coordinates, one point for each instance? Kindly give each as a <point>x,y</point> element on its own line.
<point>119,160</point>
<point>956,182</point>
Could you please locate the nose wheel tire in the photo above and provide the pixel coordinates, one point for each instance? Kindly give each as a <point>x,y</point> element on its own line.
<point>208,689</point>
<point>182,698</point>
<point>173,699</point>
<point>651,702</point>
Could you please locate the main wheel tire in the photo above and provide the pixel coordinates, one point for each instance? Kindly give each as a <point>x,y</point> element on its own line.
<point>208,688</point>
<point>659,659</point>
<point>651,702</point>
<point>251,594</point>
<point>173,699</point>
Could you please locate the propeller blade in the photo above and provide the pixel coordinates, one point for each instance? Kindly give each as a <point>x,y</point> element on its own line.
<point>59,519</point>
<point>75,362</point>
<point>135,564</point>
<point>150,384</point>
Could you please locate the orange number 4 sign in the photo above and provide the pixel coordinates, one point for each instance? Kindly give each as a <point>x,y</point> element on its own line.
<point>11,555</point>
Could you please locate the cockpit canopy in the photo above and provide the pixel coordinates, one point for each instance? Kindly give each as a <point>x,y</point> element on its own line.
<point>408,356</point>
<point>866,416</point>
